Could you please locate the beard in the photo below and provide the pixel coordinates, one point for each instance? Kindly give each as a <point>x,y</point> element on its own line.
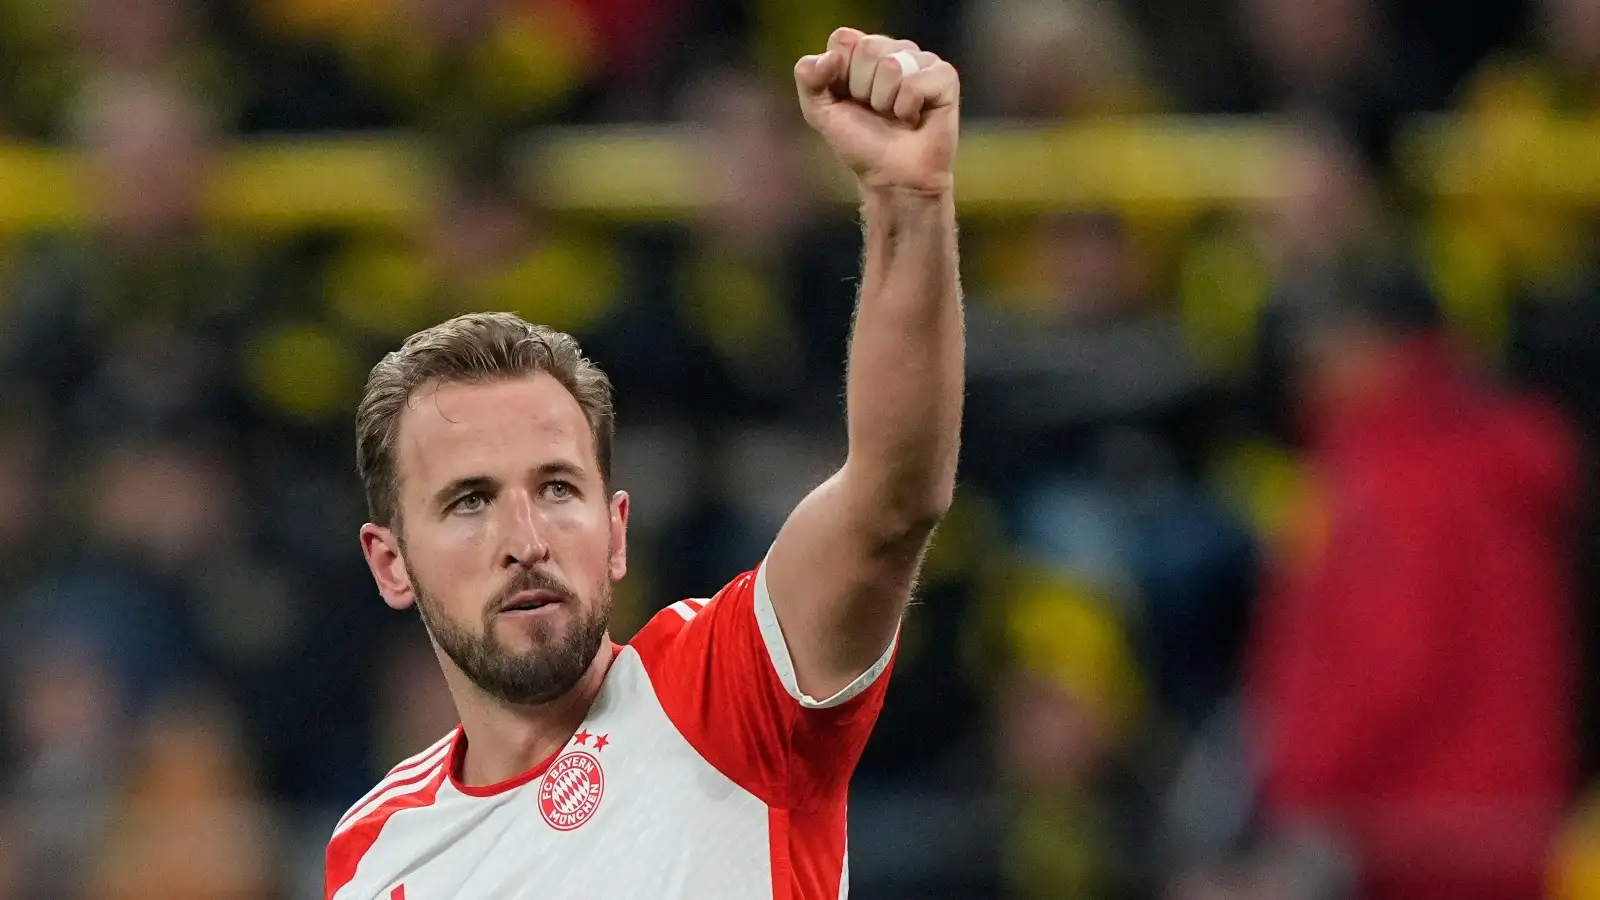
<point>560,655</point>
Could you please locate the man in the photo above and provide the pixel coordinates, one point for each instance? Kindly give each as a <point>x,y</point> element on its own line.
<point>709,757</point>
<point>1412,693</point>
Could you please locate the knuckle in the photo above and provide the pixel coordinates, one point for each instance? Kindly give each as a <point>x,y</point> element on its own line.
<point>875,45</point>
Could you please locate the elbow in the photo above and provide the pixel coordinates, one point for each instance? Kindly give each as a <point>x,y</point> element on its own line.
<point>912,517</point>
<point>901,511</point>
<point>938,502</point>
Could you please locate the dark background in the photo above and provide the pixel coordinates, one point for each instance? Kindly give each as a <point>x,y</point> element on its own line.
<point>199,676</point>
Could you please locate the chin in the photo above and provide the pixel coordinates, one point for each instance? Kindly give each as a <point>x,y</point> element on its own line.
<point>530,635</point>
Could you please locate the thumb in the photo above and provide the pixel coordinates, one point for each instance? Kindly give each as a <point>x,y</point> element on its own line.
<point>815,74</point>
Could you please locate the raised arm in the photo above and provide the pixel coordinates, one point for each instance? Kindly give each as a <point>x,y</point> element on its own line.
<point>843,566</point>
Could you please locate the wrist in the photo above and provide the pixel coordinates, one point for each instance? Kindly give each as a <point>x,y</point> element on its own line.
<point>902,199</point>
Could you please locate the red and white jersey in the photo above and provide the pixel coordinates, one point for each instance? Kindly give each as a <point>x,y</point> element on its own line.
<point>701,771</point>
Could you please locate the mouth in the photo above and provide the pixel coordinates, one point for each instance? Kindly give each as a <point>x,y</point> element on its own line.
<point>531,601</point>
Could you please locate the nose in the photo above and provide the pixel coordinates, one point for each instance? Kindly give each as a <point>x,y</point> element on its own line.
<point>524,543</point>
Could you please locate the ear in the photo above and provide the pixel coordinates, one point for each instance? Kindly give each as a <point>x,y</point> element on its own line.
<point>381,547</point>
<point>619,535</point>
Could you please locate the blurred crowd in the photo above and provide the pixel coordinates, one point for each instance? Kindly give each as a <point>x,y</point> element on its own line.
<point>1272,569</point>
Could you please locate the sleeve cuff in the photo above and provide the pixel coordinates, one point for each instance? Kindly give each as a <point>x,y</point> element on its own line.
<point>783,663</point>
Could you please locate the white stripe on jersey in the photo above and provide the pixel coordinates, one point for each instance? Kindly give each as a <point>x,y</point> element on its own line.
<point>412,762</point>
<point>844,875</point>
<point>685,610</point>
<point>405,769</point>
<point>423,778</point>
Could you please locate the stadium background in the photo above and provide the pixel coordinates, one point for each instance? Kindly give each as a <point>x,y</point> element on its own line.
<point>214,216</point>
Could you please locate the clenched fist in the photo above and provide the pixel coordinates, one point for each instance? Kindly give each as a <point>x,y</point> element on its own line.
<point>890,110</point>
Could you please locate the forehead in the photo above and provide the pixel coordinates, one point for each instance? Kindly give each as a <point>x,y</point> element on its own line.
<point>499,429</point>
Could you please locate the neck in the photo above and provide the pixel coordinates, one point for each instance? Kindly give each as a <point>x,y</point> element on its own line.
<point>504,740</point>
<point>1415,382</point>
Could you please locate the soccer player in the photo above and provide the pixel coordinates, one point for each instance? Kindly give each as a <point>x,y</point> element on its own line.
<point>710,756</point>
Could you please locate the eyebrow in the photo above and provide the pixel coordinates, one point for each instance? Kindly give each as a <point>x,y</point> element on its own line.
<point>561,467</point>
<point>461,487</point>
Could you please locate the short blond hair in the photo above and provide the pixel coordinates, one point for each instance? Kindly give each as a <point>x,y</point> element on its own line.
<point>469,349</point>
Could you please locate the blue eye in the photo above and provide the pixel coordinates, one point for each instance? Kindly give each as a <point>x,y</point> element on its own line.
<point>561,490</point>
<point>470,503</point>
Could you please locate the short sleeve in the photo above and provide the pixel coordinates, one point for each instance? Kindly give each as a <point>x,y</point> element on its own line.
<point>723,672</point>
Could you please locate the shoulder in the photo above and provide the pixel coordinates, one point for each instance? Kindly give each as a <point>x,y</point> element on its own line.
<point>688,618</point>
<point>667,625</point>
<point>411,775</point>
<point>412,785</point>
<point>751,657</point>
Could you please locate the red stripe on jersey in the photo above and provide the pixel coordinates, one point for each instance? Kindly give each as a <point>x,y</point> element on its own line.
<point>816,850</point>
<point>422,762</point>
<point>778,845</point>
<point>348,847</point>
<point>427,756</point>
<point>409,780</point>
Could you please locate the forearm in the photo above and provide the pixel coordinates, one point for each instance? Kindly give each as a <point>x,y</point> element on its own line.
<point>905,383</point>
<point>843,567</point>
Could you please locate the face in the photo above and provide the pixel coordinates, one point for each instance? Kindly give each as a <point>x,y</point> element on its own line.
<point>1325,200</point>
<point>22,476</point>
<point>455,21</point>
<point>150,159</point>
<point>1342,366</point>
<point>761,206</point>
<point>1048,737</point>
<point>1091,263</point>
<point>175,508</point>
<point>65,696</point>
<point>508,543</point>
<point>1573,30</point>
<point>1307,40</point>
<point>133,34</point>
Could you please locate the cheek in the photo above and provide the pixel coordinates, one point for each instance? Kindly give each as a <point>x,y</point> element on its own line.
<point>460,535</point>
<point>584,531</point>
<point>449,554</point>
